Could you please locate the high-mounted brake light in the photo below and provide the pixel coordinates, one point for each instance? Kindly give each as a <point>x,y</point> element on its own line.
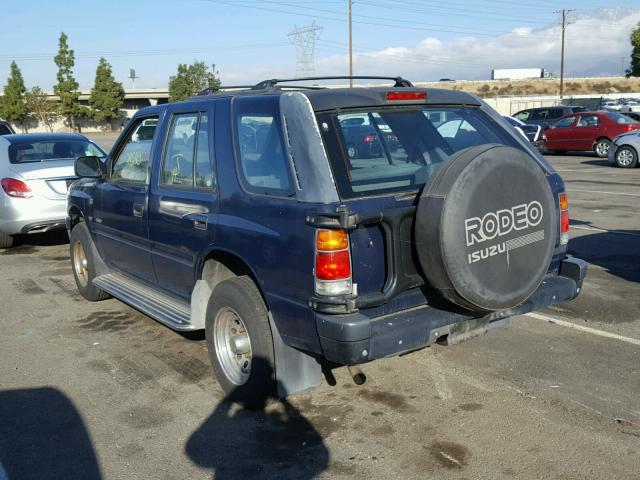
<point>564,219</point>
<point>400,96</point>
<point>16,188</point>
<point>332,263</point>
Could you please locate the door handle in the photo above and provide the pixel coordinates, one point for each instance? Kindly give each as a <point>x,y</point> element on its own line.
<point>200,221</point>
<point>138,209</point>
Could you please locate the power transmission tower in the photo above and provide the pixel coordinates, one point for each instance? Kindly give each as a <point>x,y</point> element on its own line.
<point>304,39</point>
<point>564,26</point>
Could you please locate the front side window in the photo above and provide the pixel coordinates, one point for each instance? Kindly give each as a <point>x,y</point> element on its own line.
<point>564,122</point>
<point>186,159</point>
<point>394,149</point>
<point>263,166</point>
<point>132,162</point>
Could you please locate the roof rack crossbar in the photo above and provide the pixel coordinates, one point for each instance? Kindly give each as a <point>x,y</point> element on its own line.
<point>267,84</point>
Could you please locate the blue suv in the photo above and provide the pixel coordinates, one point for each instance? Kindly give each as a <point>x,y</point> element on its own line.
<point>243,213</point>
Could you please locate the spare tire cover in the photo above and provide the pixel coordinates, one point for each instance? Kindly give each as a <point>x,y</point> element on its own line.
<point>486,227</point>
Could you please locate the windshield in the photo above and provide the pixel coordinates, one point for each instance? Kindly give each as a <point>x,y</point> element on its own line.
<point>52,150</point>
<point>620,119</point>
<point>386,150</point>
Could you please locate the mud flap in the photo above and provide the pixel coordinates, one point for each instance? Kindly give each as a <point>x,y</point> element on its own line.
<point>295,370</point>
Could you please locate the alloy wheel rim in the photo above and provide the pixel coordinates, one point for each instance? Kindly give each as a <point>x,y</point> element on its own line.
<point>602,148</point>
<point>625,157</point>
<point>80,264</point>
<point>233,346</point>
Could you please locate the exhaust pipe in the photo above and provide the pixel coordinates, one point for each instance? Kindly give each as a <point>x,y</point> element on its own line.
<point>358,376</point>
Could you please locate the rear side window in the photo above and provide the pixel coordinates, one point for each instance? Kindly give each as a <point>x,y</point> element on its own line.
<point>262,164</point>
<point>4,130</point>
<point>386,150</point>
<point>131,163</point>
<point>524,115</point>
<point>588,121</point>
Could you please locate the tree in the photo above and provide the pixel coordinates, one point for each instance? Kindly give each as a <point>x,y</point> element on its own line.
<point>107,95</point>
<point>45,110</point>
<point>14,106</point>
<point>634,70</point>
<point>67,87</point>
<point>192,79</point>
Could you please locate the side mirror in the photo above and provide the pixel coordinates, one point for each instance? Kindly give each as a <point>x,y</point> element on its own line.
<point>89,167</point>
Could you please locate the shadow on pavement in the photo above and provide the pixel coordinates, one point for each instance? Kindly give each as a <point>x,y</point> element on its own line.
<point>272,439</point>
<point>54,237</point>
<point>618,251</point>
<point>602,162</point>
<point>42,436</point>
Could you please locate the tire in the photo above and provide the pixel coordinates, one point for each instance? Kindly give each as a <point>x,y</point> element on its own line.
<point>601,147</point>
<point>486,228</point>
<point>626,157</point>
<point>237,313</point>
<point>83,263</point>
<point>6,241</point>
<point>352,151</point>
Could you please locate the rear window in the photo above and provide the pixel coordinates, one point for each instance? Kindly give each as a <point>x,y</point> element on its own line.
<point>52,150</point>
<point>620,119</point>
<point>386,150</point>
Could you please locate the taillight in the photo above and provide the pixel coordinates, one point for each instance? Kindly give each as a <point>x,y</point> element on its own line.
<point>16,188</point>
<point>369,138</point>
<point>564,219</point>
<point>333,263</point>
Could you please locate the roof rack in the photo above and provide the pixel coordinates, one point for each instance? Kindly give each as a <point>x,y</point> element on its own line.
<point>275,82</point>
<point>267,84</point>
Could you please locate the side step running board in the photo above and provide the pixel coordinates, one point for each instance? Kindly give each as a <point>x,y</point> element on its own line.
<point>173,313</point>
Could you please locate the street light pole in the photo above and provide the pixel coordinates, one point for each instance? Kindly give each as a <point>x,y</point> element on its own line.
<point>350,47</point>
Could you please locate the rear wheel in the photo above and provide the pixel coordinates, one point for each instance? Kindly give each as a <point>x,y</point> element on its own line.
<point>240,343</point>
<point>626,157</point>
<point>6,241</point>
<point>601,147</point>
<point>83,263</point>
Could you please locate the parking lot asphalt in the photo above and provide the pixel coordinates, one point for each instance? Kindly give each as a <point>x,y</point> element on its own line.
<point>98,390</point>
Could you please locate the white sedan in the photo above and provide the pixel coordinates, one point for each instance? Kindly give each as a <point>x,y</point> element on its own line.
<point>35,173</point>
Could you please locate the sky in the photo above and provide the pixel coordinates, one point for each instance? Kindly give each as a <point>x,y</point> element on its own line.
<point>248,40</point>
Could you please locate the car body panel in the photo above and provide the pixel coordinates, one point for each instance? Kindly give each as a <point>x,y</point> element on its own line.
<point>49,182</point>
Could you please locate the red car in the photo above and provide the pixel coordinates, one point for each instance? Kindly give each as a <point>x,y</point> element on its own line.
<point>587,131</point>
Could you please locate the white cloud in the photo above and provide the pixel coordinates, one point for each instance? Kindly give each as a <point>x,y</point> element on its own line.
<point>596,42</point>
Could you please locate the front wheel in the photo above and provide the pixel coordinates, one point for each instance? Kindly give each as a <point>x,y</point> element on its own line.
<point>601,147</point>
<point>240,343</point>
<point>83,263</point>
<point>626,157</point>
<point>6,241</point>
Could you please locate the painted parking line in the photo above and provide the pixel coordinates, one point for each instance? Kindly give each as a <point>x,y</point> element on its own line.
<point>603,192</point>
<point>593,331</point>
<point>604,230</point>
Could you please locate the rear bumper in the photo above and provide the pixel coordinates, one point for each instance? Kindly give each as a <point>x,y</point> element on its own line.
<point>31,215</point>
<point>355,338</point>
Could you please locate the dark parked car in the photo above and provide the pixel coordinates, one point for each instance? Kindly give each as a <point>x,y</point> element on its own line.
<point>5,128</point>
<point>242,214</point>
<point>532,132</point>
<point>587,131</point>
<point>544,116</point>
<point>364,138</point>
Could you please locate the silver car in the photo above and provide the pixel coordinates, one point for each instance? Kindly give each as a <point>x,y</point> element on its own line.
<point>35,173</point>
<point>624,150</point>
